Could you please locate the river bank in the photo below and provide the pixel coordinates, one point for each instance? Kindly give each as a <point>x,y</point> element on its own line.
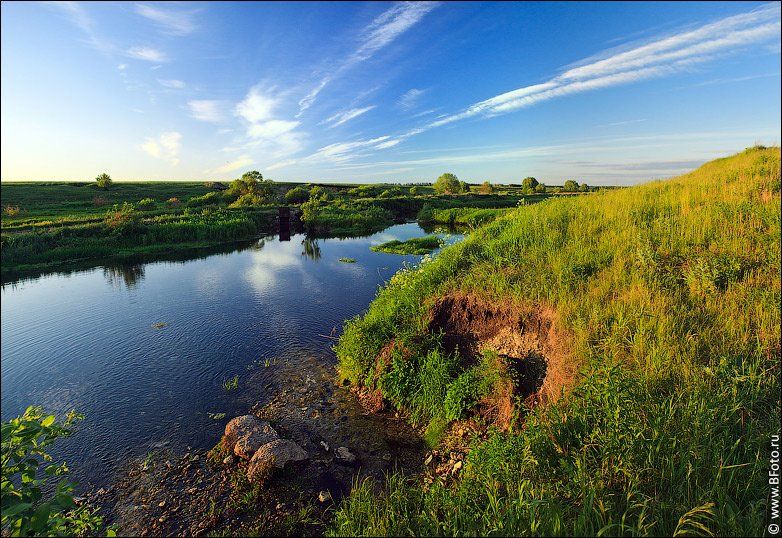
<point>197,492</point>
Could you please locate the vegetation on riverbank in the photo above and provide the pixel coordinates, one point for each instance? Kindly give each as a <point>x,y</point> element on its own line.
<point>464,216</point>
<point>644,386</point>
<point>37,499</point>
<point>416,245</point>
<point>126,234</point>
<point>63,226</point>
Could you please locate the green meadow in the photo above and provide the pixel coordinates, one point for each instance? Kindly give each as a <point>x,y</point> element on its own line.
<point>642,392</point>
<point>63,226</point>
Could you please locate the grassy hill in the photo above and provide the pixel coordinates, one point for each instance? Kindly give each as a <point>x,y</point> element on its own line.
<point>612,361</point>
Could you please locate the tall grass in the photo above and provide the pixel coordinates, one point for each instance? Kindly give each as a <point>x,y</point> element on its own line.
<point>467,216</point>
<point>123,235</point>
<point>670,293</point>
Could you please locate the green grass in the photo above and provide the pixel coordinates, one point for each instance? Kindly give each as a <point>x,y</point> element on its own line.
<point>50,226</point>
<point>347,260</point>
<point>667,296</point>
<point>231,384</point>
<point>416,245</point>
<point>465,216</point>
<point>130,235</point>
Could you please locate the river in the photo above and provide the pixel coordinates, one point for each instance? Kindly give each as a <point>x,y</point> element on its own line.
<point>143,351</point>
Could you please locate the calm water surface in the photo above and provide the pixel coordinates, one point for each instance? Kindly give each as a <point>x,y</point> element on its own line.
<point>86,340</point>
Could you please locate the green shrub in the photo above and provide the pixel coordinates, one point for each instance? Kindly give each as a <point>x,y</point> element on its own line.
<point>210,198</point>
<point>447,183</point>
<point>297,195</point>
<point>103,181</point>
<point>123,219</point>
<point>709,274</point>
<point>416,245</point>
<point>391,193</point>
<point>248,200</point>
<point>29,506</point>
<point>146,204</point>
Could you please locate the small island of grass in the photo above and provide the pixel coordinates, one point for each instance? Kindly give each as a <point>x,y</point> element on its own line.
<point>347,260</point>
<point>416,245</point>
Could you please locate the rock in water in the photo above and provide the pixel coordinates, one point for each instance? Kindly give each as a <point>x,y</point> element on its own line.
<point>244,435</point>
<point>274,455</point>
<point>345,456</point>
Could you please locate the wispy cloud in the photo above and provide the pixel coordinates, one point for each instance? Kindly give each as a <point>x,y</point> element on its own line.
<point>659,58</point>
<point>165,147</point>
<point>662,57</point>
<point>206,110</point>
<point>171,22</point>
<point>346,115</point>
<point>281,164</point>
<point>624,122</point>
<point>729,80</point>
<point>425,112</point>
<point>342,151</point>
<point>381,32</point>
<point>409,99</point>
<point>271,129</point>
<point>81,19</point>
<point>240,162</point>
<point>589,147</point>
<point>172,83</point>
<point>148,54</point>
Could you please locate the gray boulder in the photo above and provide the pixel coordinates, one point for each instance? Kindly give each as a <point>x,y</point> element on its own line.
<point>345,456</point>
<point>244,435</point>
<point>274,455</point>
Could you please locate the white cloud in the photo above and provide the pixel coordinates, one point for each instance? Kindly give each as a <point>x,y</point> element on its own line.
<point>390,25</point>
<point>342,151</point>
<point>266,135</point>
<point>388,144</point>
<point>206,110</point>
<point>256,106</point>
<point>271,128</point>
<point>346,115</point>
<point>241,162</point>
<point>171,22</point>
<point>122,67</point>
<point>147,54</point>
<point>172,83</point>
<point>590,147</point>
<point>624,122</point>
<point>166,147</point>
<point>281,164</point>
<point>409,100</point>
<point>382,31</point>
<point>80,18</point>
<point>662,57</point>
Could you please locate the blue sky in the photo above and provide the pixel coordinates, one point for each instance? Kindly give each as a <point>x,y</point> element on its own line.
<point>607,93</point>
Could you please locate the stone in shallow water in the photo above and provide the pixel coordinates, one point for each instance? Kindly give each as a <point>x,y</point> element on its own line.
<point>246,434</point>
<point>274,455</point>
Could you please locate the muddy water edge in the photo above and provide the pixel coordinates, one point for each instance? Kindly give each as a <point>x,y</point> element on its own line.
<point>200,492</point>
